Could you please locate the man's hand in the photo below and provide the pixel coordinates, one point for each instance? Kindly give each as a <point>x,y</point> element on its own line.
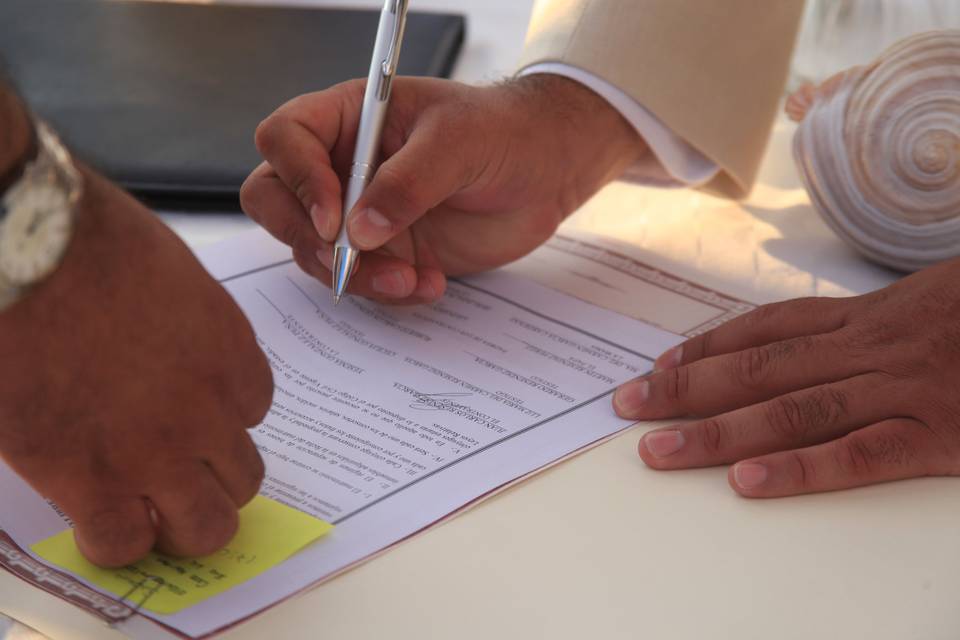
<point>127,381</point>
<point>472,178</point>
<point>815,394</point>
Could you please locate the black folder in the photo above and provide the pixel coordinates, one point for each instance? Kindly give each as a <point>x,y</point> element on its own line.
<point>164,97</point>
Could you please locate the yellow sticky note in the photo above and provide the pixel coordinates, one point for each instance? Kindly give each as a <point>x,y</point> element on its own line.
<point>269,533</point>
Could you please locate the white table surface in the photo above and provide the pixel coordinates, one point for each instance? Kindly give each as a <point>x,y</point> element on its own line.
<point>602,547</point>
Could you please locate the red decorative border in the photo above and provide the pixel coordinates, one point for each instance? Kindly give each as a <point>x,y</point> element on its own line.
<point>59,584</point>
<point>727,307</point>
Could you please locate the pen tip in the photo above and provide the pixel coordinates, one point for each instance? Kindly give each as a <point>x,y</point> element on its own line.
<point>344,261</point>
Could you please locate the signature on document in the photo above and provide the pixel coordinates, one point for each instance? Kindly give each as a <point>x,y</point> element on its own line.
<point>439,401</point>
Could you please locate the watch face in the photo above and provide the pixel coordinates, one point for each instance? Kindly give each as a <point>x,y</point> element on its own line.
<point>35,235</point>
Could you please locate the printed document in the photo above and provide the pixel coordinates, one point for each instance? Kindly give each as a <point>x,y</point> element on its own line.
<point>385,419</point>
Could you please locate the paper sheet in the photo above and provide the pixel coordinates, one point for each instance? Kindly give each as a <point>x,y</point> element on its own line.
<point>385,420</point>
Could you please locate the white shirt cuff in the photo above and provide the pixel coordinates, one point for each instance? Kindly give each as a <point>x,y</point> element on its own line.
<point>673,161</point>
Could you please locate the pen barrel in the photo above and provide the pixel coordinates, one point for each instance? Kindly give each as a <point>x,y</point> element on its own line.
<point>373,113</point>
<point>377,95</point>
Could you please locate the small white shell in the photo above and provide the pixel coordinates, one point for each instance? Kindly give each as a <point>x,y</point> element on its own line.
<point>878,150</point>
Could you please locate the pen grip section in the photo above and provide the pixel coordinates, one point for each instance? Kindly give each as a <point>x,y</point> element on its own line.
<point>360,176</point>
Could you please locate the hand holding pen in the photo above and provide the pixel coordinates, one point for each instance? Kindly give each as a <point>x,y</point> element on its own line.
<point>471,178</point>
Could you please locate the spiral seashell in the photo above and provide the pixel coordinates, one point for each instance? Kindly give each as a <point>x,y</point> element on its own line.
<point>878,150</point>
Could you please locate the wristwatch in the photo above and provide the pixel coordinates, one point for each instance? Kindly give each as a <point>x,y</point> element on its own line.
<point>37,212</point>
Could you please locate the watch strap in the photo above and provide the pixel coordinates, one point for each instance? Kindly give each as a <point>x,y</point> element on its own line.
<point>15,172</point>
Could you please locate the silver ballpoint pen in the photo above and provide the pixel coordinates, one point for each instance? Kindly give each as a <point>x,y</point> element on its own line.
<point>383,68</point>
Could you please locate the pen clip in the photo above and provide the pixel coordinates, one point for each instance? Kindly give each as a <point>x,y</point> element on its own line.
<point>388,68</point>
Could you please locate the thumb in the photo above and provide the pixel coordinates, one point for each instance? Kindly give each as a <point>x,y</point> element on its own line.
<point>409,184</point>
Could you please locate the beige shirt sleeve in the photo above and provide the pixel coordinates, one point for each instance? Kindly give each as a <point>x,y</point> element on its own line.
<point>713,72</point>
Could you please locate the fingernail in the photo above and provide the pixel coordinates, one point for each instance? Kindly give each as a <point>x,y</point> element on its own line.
<point>630,398</point>
<point>319,218</point>
<point>370,228</point>
<point>324,221</point>
<point>669,360</point>
<point>325,256</point>
<point>390,283</point>
<point>664,443</point>
<point>749,475</point>
<point>425,289</point>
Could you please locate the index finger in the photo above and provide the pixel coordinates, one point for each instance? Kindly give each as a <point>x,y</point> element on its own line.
<point>726,382</point>
<point>301,140</point>
<point>762,326</point>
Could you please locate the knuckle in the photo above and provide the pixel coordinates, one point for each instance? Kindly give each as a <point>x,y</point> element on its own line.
<point>752,366</point>
<point>260,397</point>
<point>267,133</point>
<point>779,311</point>
<point>290,233</point>
<point>113,539</point>
<point>566,201</point>
<point>833,404</point>
<point>794,418</point>
<point>676,384</point>
<point>715,436</point>
<point>806,307</point>
<point>214,524</point>
<point>396,131</point>
<point>352,90</point>
<point>853,456</point>
<point>943,342</point>
<point>869,337</point>
<point>790,418</point>
<point>261,405</point>
<point>804,470</point>
<point>767,314</point>
<point>861,336</point>
<point>893,449</point>
<point>26,447</point>
<point>249,198</point>
<point>300,185</point>
<point>699,347</point>
<point>269,140</point>
<point>878,297</point>
<point>542,224</point>
<point>763,315</point>
<point>255,473</point>
<point>244,472</point>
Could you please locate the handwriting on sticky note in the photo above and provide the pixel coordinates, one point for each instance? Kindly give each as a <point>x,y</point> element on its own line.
<point>269,533</point>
